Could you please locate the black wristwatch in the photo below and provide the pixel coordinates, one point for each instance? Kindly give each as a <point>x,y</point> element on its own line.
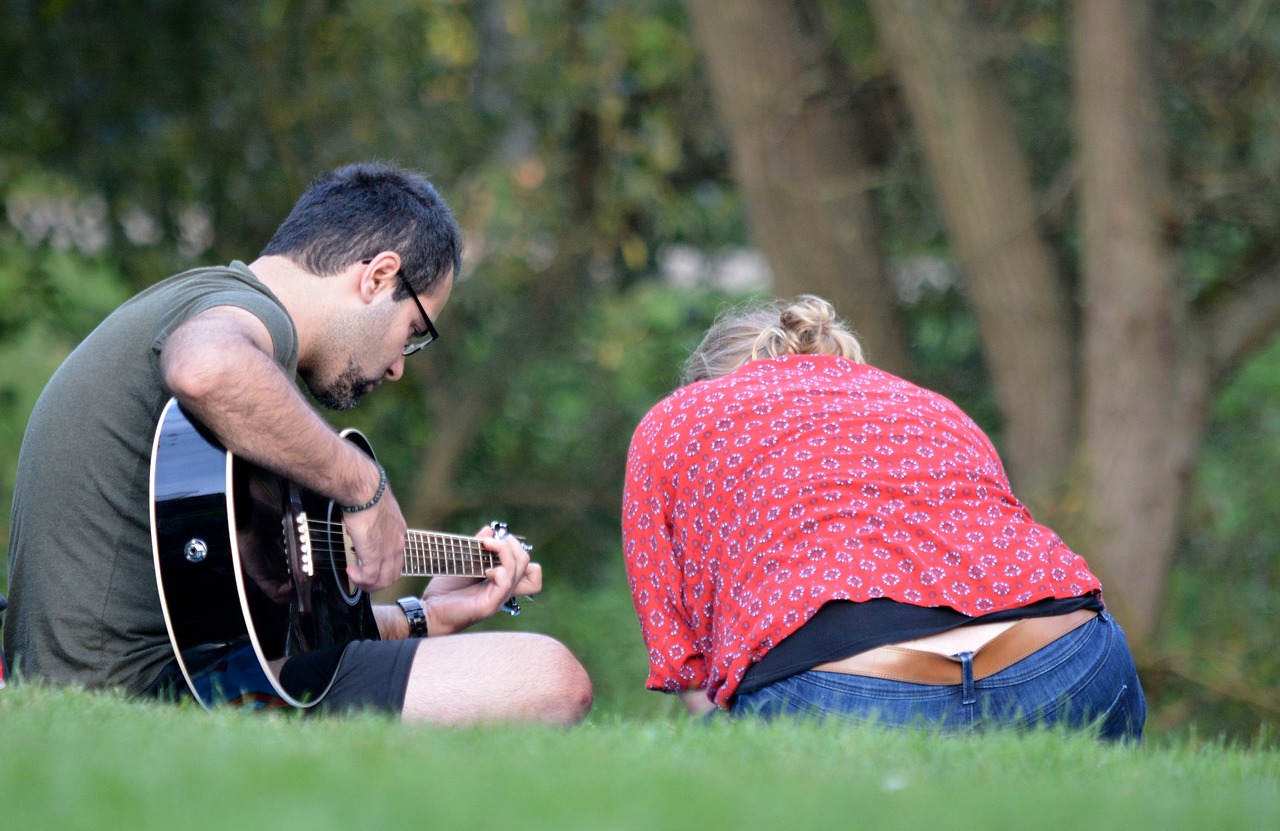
<point>416,615</point>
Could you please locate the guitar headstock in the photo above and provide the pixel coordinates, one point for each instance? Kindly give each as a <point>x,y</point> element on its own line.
<point>511,607</point>
<point>500,530</point>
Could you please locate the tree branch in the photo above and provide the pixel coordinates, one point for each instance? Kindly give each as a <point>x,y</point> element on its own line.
<point>1220,683</point>
<point>1239,317</point>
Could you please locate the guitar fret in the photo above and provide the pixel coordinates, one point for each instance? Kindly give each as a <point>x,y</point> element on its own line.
<point>428,553</point>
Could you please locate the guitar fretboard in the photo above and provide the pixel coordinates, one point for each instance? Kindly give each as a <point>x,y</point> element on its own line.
<point>427,554</point>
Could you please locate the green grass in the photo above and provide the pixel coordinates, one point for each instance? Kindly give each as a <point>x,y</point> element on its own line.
<point>72,760</point>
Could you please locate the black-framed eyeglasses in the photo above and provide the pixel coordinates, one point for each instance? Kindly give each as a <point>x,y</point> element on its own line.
<point>429,335</point>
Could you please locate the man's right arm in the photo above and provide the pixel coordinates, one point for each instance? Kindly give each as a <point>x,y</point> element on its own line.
<point>219,366</point>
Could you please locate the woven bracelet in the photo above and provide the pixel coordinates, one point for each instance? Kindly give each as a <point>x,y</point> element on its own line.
<point>382,486</point>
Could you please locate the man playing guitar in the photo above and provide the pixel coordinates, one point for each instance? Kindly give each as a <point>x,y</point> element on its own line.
<point>347,288</point>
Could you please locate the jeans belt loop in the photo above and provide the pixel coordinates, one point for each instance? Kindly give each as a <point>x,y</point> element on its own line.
<point>970,695</point>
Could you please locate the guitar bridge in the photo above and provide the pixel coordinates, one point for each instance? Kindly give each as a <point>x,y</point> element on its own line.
<point>305,560</point>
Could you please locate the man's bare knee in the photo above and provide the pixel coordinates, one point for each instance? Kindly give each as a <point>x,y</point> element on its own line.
<point>491,676</point>
<point>571,693</point>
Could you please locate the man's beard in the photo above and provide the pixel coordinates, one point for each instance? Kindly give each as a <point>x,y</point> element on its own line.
<point>345,391</point>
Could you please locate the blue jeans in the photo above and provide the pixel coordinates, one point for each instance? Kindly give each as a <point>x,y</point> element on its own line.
<point>1086,679</point>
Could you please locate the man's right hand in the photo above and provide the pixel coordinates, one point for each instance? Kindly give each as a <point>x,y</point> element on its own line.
<point>377,536</point>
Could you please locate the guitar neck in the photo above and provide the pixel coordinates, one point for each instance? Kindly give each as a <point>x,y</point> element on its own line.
<point>428,554</point>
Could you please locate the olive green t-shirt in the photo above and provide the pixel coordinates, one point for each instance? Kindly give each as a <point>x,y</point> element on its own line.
<point>83,604</point>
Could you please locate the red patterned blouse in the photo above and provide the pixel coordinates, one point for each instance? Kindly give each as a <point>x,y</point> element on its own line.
<point>753,499</point>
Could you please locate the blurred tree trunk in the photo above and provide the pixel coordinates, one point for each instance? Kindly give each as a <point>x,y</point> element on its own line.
<point>1146,358</point>
<point>983,184</point>
<point>1146,377</point>
<point>786,100</point>
<point>1115,412</point>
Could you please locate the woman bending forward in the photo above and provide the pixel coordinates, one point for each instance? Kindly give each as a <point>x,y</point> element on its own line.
<point>808,535</point>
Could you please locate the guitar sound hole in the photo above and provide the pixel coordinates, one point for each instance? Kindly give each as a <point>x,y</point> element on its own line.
<point>338,562</point>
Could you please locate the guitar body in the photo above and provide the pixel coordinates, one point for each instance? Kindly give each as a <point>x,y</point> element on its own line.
<point>250,568</point>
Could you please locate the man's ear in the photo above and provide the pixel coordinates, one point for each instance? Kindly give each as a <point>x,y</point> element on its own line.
<point>379,276</point>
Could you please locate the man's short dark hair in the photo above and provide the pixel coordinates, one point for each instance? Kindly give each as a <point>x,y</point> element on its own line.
<point>359,210</point>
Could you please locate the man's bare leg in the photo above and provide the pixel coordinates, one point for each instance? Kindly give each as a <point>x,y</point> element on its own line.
<point>495,677</point>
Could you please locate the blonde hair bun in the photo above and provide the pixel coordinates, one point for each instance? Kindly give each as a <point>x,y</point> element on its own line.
<point>807,325</point>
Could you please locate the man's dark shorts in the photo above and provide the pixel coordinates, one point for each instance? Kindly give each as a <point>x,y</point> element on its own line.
<point>369,676</point>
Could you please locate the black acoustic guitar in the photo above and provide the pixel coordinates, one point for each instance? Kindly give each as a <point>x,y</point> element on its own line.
<point>251,567</point>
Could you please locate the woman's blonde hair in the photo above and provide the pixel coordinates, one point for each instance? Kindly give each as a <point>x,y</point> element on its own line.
<point>807,325</point>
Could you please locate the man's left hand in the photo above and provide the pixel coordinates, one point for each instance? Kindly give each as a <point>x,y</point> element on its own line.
<point>454,603</point>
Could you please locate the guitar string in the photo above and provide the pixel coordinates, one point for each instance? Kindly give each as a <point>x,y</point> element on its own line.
<point>439,553</point>
<point>436,567</point>
<point>451,560</point>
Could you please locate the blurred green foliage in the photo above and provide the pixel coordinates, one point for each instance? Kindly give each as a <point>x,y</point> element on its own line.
<point>1222,665</point>
<point>49,300</point>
